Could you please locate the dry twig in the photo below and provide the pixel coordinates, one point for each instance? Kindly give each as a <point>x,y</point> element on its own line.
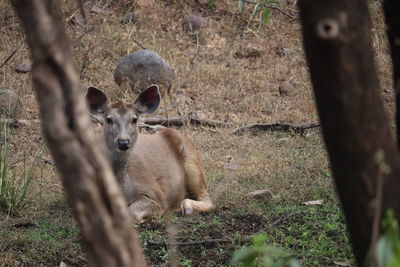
<point>183,84</point>
<point>272,7</point>
<point>141,46</point>
<point>83,13</point>
<point>218,240</point>
<point>182,120</point>
<point>188,243</point>
<point>384,170</point>
<point>277,126</point>
<point>281,10</point>
<point>157,123</point>
<point>9,57</point>
<point>284,218</point>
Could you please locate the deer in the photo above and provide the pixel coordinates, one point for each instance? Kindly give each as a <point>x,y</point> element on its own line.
<point>157,173</point>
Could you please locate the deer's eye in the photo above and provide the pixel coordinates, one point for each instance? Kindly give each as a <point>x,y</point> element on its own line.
<point>134,120</point>
<point>109,120</point>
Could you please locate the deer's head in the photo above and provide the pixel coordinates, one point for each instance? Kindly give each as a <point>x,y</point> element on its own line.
<point>120,119</point>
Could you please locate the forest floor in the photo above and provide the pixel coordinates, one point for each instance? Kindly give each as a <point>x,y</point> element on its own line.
<point>224,83</point>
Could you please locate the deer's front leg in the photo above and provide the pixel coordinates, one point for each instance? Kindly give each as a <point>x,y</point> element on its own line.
<point>143,208</point>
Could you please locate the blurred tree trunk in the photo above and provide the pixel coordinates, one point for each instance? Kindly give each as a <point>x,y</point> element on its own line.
<point>392,15</point>
<point>106,227</point>
<point>361,147</point>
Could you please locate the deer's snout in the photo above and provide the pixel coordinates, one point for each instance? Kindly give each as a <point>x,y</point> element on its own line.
<point>123,144</point>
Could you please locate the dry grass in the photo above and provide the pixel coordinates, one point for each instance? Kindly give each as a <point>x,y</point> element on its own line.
<point>220,86</point>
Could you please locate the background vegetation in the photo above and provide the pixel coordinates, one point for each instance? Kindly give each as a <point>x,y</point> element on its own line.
<point>222,84</point>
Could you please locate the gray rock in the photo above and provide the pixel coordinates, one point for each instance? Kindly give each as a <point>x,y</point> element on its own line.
<point>129,18</point>
<point>260,194</point>
<point>10,104</point>
<point>287,88</point>
<point>143,68</point>
<point>193,23</point>
<point>23,68</point>
<point>283,51</point>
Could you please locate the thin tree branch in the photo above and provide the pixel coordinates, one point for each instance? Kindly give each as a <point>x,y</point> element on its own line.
<point>277,126</point>
<point>141,46</point>
<point>83,13</point>
<point>184,120</point>
<point>384,169</point>
<point>218,240</point>
<point>189,243</point>
<point>272,7</point>
<point>191,67</point>
<point>284,218</point>
<point>9,57</point>
<point>156,123</point>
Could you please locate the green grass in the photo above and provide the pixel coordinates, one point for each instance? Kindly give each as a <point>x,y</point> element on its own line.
<point>14,183</point>
<point>294,167</point>
<point>295,170</point>
<point>315,235</point>
<point>51,239</point>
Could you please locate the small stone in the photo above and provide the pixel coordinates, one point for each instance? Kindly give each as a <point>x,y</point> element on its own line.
<point>342,263</point>
<point>10,104</point>
<point>96,9</point>
<point>142,69</point>
<point>282,51</point>
<point>314,202</point>
<point>193,23</point>
<point>129,18</point>
<point>249,51</point>
<point>260,194</point>
<point>23,68</point>
<point>78,20</point>
<point>286,89</point>
<point>283,90</point>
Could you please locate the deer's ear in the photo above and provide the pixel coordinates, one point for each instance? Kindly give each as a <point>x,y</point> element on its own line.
<point>148,100</point>
<point>96,100</point>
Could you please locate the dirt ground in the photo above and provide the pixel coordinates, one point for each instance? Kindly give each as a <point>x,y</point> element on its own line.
<point>225,82</point>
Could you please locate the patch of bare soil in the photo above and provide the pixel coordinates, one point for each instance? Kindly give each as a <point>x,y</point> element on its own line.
<point>203,240</point>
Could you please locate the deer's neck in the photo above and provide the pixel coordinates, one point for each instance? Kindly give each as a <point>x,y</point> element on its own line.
<point>119,164</point>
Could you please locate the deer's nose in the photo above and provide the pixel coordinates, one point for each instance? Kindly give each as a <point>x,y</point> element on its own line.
<point>123,144</point>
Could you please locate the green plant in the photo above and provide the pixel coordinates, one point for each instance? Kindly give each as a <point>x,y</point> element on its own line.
<point>14,189</point>
<point>260,254</point>
<point>185,262</point>
<point>388,247</point>
<point>212,4</point>
<point>262,7</point>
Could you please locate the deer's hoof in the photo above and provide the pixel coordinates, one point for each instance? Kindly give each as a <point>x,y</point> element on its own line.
<point>188,211</point>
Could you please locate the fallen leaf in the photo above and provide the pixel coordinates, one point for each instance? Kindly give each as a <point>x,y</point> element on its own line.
<point>342,263</point>
<point>313,202</point>
<point>231,166</point>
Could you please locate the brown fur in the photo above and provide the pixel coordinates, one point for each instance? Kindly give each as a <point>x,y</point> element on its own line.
<point>159,172</point>
<point>168,169</point>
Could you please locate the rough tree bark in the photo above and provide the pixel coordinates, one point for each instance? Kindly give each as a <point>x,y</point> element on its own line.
<point>362,150</point>
<point>106,228</point>
<point>392,15</point>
